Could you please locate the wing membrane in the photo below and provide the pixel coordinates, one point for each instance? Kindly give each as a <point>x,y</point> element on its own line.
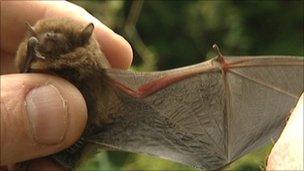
<point>205,115</point>
<point>261,99</point>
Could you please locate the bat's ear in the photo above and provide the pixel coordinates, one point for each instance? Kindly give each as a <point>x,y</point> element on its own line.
<point>86,33</point>
<point>30,29</point>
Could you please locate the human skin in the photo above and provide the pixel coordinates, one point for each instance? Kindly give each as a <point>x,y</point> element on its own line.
<point>287,153</point>
<point>20,140</point>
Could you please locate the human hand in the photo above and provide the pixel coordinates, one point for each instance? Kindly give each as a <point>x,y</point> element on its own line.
<point>287,153</point>
<point>43,114</point>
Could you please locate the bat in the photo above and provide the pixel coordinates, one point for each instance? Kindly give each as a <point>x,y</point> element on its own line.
<point>205,115</point>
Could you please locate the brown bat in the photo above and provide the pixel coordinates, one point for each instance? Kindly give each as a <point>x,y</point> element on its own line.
<point>205,115</point>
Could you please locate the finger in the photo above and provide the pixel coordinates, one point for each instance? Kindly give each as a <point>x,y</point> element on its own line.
<point>40,115</point>
<point>7,64</point>
<point>117,49</point>
<point>287,153</point>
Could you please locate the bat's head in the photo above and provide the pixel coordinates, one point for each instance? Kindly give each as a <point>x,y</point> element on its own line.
<point>53,43</point>
<point>59,36</point>
<point>60,43</point>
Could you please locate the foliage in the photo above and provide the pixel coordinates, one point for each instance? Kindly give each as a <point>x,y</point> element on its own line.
<point>169,34</point>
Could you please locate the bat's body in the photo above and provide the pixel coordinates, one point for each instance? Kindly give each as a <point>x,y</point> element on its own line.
<point>205,115</point>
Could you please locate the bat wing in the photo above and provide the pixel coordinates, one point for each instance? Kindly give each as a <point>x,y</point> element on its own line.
<point>206,115</point>
<point>261,94</point>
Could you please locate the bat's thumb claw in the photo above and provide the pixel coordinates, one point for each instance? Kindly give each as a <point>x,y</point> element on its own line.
<point>217,50</point>
<point>33,41</point>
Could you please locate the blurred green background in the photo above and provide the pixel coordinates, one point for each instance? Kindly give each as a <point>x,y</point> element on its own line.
<point>169,34</point>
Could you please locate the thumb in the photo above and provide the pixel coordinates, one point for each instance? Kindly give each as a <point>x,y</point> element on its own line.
<point>40,115</point>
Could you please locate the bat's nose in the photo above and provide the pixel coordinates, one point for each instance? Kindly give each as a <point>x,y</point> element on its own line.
<point>51,35</point>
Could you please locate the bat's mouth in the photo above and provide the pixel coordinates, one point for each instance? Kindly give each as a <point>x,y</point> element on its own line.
<point>48,45</point>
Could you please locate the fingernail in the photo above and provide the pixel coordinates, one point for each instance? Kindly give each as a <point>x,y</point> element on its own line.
<point>47,113</point>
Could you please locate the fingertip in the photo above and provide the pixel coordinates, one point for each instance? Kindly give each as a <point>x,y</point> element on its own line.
<point>55,121</point>
<point>118,52</point>
<point>117,49</point>
<point>75,106</point>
